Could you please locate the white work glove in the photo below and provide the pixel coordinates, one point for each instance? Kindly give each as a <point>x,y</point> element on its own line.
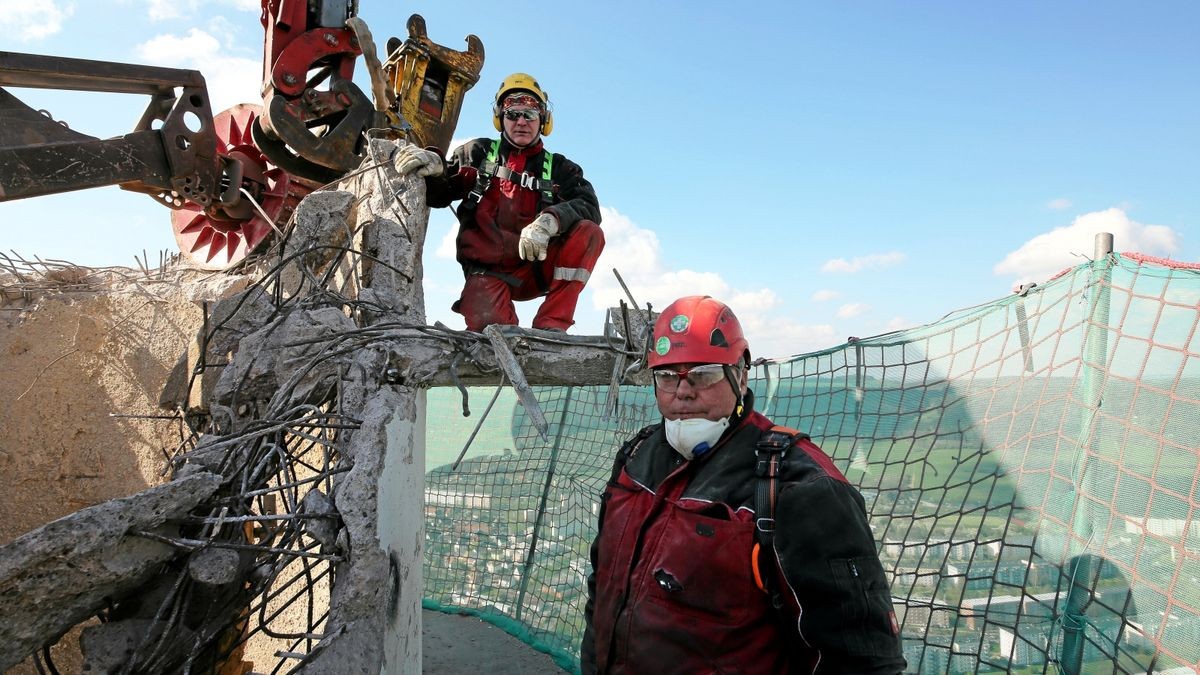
<point>410,158</point>
<point>536,236</point>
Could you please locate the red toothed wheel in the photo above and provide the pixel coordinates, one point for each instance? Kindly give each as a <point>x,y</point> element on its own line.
<point>221,236</point>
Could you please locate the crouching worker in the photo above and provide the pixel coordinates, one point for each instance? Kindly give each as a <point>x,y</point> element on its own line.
<point>528,219</point>
<point>727,544</point>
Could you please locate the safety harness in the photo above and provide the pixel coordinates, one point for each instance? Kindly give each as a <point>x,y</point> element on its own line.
<point>769,452</point>
<point>629,449</point>
<point>493,168</point>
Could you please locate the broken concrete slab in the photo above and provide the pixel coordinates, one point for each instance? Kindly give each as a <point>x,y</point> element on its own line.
<point>63,572</point>
<point>286,355</point>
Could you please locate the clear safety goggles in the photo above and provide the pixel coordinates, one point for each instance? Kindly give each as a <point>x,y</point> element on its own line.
<point>700,377</point>
<point>526,114</point>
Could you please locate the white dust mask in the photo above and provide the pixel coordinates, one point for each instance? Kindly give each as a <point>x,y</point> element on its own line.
<point>694,436</point>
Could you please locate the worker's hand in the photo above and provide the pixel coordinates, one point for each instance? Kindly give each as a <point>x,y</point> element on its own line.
<point>536,236</point>
<point>410,158</point>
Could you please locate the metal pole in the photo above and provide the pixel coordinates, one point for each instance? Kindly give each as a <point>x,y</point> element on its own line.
<point>537,519</point>
<point>1082,567</point>
<point>858,381</point>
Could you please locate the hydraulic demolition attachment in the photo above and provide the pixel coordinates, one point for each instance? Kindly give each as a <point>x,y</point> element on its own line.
<point>314,116</point>
<point>430,81</point>
<point>235,178</point>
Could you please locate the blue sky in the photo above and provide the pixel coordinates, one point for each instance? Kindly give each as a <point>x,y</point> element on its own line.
<point>829,169</point>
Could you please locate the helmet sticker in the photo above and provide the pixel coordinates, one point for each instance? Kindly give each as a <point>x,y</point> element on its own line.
<point>679,323</point>
<point>662,345</point>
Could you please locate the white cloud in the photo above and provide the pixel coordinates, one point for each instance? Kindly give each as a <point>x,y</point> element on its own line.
<point>897,323</point>
<point>163,10</point>
<point>1049,253</point>
<point>174,49</point>
<point>782,338</point>
<point>219,25</point>
<point>445,248</point>
<point>231,79</point>
<point>637,255</point>
<point>874,260</point>
<point>851,310</point>
<point>30,21</point>
<point>825,295</point>
<point>771,332</point>
<point>1058,204</point>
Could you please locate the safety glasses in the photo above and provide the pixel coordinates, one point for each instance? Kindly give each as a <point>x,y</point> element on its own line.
<point>527,115</point>
<point>700,377</point>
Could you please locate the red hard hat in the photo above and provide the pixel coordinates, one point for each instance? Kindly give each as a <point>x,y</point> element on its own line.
<point>697,329</point>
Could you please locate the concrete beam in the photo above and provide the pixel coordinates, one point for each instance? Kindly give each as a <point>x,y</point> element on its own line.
<point>65,571</point>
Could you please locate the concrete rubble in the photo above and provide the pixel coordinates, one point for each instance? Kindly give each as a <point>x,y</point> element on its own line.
<point>324,346</point>
<point>62,573</point>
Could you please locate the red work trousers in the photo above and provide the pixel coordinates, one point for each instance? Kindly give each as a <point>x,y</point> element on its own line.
<point>488,294</point>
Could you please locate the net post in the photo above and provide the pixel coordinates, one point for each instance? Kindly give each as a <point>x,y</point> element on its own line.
<point>1083,567</point>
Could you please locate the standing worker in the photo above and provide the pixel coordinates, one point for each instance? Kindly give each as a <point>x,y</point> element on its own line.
<point>727,544</point>
<point>528,220</point>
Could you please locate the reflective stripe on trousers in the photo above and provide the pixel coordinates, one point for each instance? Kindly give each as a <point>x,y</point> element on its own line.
<point>572,274</point>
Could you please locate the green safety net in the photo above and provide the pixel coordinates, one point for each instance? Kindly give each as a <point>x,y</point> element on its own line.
<point>1030,468</point>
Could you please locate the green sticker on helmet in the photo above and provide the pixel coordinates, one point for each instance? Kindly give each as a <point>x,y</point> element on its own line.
<point>662,345</point>
<point>679,323</point>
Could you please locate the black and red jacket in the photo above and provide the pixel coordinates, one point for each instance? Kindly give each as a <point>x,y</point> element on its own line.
<point>672,588</point>
<point>490,230</point>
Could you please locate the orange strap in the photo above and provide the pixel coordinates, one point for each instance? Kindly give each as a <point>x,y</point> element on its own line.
<point>754,555</point>
<point>765,500</point>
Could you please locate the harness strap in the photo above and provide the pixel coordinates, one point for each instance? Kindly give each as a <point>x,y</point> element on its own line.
<point>483,179</point>
<point>548,190</point>
<point>770,452</point>
<point>492,168</point>
<point>525,180</point>
<point>629,449</point>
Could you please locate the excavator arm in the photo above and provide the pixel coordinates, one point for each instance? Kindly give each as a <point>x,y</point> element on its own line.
<point>173,160</point>
<point>235,178</point>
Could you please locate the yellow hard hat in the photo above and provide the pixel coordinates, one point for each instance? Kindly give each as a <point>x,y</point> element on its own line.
<point>523,82</point>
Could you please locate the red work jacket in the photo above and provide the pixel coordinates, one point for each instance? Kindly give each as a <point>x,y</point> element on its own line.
<point>489,231</point>
<point>673,588</point>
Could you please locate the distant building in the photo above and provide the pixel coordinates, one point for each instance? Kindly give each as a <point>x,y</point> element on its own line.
<point>466,500</point>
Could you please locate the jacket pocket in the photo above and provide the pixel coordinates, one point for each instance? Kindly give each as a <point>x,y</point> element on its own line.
<point>867,606</point>
<point>701,566</point>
